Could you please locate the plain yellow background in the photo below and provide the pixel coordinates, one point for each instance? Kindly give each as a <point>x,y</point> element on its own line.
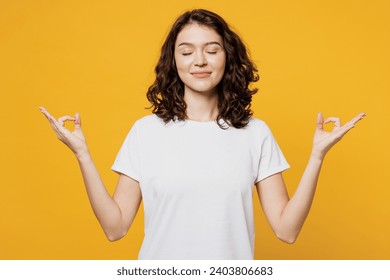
<point>98,57</point>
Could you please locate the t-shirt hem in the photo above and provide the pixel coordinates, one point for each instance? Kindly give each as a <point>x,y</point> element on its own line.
<point>125,172</point>
<point>271,172</point>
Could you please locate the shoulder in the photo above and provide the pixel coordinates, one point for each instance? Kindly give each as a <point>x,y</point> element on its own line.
<point>255,122</point>
<point>149,121</point>
<point>149,126</point>
<point>257,126</point>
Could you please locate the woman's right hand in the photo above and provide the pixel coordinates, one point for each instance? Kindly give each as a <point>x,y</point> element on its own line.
<point>75,140</point>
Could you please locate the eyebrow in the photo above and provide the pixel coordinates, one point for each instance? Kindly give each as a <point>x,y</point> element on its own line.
<point>207,44</point>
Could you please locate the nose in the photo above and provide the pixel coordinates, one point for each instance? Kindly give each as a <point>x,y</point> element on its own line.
<point>200,59</point>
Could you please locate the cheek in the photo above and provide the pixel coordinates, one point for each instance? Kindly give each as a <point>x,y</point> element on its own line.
<point>223,65</point>
<point>219,63</point>
<point>180,68</point>
<point>181,64</point>
<point>223,62</point>
<point>221,71</point>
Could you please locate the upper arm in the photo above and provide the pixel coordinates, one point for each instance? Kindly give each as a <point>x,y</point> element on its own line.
<point>273,197</point>
<point>128,197</point>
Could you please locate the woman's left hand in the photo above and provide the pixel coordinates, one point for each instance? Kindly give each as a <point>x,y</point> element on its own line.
<point>323,141</point>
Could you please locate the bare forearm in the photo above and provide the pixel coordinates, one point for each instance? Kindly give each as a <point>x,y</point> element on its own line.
<point>105,208</point>
<point>287,216</point>
<point>298,207</point>
<point>109,211</point>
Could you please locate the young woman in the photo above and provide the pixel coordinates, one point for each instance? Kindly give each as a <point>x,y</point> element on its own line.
<point>195,161</point>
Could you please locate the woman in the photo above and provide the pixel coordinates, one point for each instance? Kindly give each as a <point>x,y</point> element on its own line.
<point>195,161</point>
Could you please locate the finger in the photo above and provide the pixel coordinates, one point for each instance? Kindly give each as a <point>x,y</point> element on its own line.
<point>41,108</point>
<point>47,114</point>
<point>320,121</point>
<point>334,120</point>
<point>351,124</point>
<point>343,130</point>
<point>77,122</point>
<point>44,111</point>
<point>58,129</point>
<point>357,118</point>
<point>65,118</point>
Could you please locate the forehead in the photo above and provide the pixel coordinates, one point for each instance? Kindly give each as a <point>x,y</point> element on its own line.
<point>197,34</point>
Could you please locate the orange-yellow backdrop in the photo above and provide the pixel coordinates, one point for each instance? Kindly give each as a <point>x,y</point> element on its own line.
<point>97,57</point>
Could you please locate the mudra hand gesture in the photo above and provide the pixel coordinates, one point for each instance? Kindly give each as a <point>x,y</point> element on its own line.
<point>75,140</point>
<point>323,141</point>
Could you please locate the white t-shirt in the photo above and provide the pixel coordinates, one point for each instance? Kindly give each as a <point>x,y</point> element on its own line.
<point>197,184</point>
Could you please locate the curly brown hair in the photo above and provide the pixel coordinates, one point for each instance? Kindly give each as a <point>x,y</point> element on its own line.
<point>166,94</point>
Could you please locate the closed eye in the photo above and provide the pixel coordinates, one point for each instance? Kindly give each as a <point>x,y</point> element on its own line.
<point>185,54</point>
<point>212,52</point>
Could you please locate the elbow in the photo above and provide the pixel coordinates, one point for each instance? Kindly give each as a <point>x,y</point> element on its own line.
<point>115,236</point>
<point>288,238</point>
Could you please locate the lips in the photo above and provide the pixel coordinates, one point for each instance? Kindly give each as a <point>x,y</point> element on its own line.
<point>201,74</point>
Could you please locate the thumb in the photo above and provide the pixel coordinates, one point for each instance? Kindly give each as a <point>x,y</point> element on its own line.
<point>77,121</point>
<point>320,121</point>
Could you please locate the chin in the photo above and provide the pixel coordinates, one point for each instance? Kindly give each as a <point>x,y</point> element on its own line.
<point>203,90</point>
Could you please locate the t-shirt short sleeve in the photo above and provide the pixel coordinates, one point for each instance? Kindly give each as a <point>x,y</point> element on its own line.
<point>127,160</point>
<point>272,160</point>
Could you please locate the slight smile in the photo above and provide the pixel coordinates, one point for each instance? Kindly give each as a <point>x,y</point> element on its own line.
<point>201,74</point>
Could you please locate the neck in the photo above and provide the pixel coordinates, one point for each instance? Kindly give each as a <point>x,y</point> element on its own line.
<point>200,106</point>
